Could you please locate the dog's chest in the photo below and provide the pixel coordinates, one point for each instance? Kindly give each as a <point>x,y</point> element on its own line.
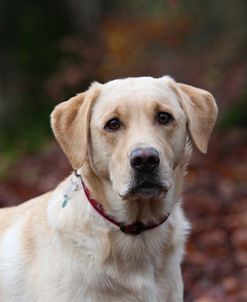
<point>127,284</point>
<point>115,284</point>
<point>101,268</point>
<point>122,270</point>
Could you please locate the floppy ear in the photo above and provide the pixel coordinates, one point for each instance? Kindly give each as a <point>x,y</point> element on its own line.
<point>201,111</point>
<point>70,124</point>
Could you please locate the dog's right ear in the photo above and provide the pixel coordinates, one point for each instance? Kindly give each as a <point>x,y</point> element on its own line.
<point>70,124</point>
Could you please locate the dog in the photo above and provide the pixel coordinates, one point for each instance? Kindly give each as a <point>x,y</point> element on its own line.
<point>114,230</point>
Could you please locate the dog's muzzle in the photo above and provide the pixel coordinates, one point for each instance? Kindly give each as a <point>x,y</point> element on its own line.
<point>145,186</point>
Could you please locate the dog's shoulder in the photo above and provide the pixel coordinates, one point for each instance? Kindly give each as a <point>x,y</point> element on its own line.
<point>10,215</point>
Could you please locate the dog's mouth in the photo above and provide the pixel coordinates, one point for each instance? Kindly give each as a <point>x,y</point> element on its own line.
<point>146,190</point>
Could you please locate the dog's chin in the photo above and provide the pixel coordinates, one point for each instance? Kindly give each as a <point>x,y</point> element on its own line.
<point>145,192</point>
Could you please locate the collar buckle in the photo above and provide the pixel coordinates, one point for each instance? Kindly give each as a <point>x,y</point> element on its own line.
<point>132,229</point>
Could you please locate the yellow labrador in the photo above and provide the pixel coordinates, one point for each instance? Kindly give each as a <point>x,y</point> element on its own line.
<point>114,230</point>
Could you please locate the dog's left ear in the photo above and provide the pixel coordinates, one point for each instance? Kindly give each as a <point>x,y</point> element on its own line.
<point>201,111</point>
<point>70,124</point>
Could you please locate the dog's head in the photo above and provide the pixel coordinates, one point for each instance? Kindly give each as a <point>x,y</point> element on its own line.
<point>133,131</point>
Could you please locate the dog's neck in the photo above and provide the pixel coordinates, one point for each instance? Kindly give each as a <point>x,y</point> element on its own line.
<point>145,211</point>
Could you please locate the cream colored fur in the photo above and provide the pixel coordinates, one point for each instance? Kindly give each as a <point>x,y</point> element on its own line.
<point>49,253</point>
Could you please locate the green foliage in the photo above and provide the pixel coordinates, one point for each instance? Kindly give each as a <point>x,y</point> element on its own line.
<point>236,115</point>
<point>30,45</point>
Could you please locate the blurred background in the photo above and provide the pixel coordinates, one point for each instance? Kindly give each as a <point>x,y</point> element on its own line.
<point>51,50</point>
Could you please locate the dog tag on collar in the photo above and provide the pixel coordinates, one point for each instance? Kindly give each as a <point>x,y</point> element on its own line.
<point>74,185</point>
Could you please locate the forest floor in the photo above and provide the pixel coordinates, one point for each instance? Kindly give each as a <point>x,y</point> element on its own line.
<point>215,202</point>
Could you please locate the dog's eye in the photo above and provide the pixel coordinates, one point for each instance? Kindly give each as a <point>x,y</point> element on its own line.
<point>112,125</point>
<point>164,118</point>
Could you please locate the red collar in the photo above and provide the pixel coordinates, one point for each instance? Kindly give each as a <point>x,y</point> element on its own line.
<point>130,229</point>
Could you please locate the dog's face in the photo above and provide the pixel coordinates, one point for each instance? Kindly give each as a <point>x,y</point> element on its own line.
<point>138,134</point>
<point>133,131</point>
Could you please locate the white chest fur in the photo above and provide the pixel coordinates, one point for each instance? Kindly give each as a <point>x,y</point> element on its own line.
<point>76,255</point>
<point>104,264</point>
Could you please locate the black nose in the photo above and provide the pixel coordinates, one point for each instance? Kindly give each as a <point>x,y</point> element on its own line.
<point>144,159</point>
